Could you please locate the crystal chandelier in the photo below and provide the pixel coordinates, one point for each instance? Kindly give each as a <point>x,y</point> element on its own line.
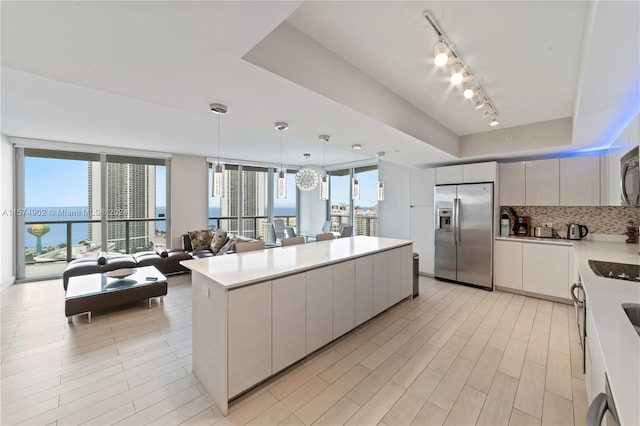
<point>306,178</point>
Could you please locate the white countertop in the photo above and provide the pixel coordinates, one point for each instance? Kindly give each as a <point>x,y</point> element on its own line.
<point>234,270</point>
<point>619,341</point>
<point>556,241</point>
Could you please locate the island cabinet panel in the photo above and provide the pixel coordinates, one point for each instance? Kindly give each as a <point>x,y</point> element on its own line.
<point>343,298</point>
<point>380,282</point>
<point>289,321</point>
<point>395,287</point>
<point>406,268</point>
<point>249,336</point>
<point>364,289</point>
<point>319,287</point>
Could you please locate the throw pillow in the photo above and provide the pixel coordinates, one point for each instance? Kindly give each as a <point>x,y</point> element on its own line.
<point>219,240</point>
<point>200,240</point>
<point>229,246</point>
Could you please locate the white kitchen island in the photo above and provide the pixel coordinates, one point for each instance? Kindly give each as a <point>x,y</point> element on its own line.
<point>258,312</point>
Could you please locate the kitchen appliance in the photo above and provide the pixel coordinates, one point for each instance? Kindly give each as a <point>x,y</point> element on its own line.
<point>464,234</point>
<point>504,224</point>
<point>543,232</point>
<point>630,178</point>
<point>615,270</point>
<point>579,303</point>
<point>601,406</point>
<point>522,226</point>
<point>576,232</point>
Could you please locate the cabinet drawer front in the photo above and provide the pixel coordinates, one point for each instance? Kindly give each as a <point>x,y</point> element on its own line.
<point>545,269</point>
<point>249,336</point>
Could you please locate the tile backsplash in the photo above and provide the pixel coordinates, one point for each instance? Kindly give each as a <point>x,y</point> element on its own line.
<point>599,219</point>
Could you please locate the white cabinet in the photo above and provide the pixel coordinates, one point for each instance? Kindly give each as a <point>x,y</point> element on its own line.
<point>394,288</point>
<point>512,184</point>
<point>542,182</point>
<point>364,289</point>
<point>319,307</point>
<point>545,269</point>
<point>406,267</point>
<point>289,321</point>
<point>594,360</point>
<point>343,298</point>
<point>479,172</point>
<point>421,216</point>
<point>448,174</point>
<point>580,181</point>
<point>249,336</point>
<point>422,183</point>
<point>508,264</point>
<point>467,173</point>
<point>380,279</point>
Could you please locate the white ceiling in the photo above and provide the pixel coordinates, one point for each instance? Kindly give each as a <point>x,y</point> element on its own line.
<point>142,74</point>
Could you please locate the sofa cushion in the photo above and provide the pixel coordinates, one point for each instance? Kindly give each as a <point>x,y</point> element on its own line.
<point>200,240</point>
<point>219,239</point>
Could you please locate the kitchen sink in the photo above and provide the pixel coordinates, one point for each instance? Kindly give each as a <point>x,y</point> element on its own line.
<point>633,312</point>
<point>618,271</point>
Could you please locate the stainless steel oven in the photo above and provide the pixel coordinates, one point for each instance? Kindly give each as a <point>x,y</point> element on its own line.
<point>580,305</point>
<point>630,178</point>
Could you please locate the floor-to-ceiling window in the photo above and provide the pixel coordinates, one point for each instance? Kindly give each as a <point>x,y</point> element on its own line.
<point>70,203</point>
<point>246,201</point>
<point>286,208</point>
<point>362,212</point>
<point>339,197</point>
<point>365,209</point>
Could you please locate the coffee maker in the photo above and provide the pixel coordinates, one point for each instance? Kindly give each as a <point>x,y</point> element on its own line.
<point>522,226</point>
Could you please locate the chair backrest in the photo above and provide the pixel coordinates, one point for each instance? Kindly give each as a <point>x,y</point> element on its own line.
<point>292,241</point>
<point>347,231</point>
<point>271,234</point>
<point>289,232</point>
<point>326,227</point>
<point>279,228</point>
<point>249,246</point>
<point>324,237</point>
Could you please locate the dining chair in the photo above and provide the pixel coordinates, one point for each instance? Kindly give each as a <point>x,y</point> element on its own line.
<point>326,227</point>
<point>271,234</point>
<point>290,241</point>
<point>279,228</point>
<point>289,232</point>
<point>346,231</point>
<point>324,237</point>
<point>249,246</point>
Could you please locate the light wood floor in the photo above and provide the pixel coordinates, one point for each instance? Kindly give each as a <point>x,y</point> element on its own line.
<point>455,355</point>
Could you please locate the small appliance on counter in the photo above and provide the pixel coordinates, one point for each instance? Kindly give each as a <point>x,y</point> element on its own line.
<point>522,226</point>
<point>576,231</point>
<point>543,232</point>
<point>504,223</point>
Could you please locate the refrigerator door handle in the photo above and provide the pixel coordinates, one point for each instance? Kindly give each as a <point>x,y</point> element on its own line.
<point>456,220</point>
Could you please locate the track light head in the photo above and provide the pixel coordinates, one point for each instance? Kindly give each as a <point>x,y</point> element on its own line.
<point>487,111</point>
<point>494,121</point>
<point>441,53</point>
<point>457,73</point>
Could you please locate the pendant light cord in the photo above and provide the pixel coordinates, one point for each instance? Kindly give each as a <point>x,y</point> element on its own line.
<point>218,138</point>
<point>281,150</point>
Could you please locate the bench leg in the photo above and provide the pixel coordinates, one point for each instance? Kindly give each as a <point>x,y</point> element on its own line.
<point>69,320</point>
<point>89,316</point>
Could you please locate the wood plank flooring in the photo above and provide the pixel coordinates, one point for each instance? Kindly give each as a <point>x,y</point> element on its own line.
<point>455,355</point>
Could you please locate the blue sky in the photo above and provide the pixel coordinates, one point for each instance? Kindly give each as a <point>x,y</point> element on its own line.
<point>53,183</point>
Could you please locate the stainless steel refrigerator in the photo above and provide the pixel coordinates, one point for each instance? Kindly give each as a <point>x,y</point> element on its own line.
<point>464,233</point>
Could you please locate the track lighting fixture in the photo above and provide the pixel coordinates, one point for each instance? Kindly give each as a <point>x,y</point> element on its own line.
<point>494,121</point>
<point>445,54</point>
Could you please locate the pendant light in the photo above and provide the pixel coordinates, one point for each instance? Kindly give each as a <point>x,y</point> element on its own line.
<point>380,183</point>
<point>324,180</point>
<point>217,183</point>
<point>355,181</point>
<point>282,173</point>
<point>306,178</point>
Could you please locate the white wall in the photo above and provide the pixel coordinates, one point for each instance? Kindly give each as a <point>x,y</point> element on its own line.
<point>394,212</point>
<point>312,209</point>
<point>189,198</point>
<point>7,238</point>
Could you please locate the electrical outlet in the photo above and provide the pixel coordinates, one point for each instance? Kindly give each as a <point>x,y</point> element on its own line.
<point>548,225</point>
